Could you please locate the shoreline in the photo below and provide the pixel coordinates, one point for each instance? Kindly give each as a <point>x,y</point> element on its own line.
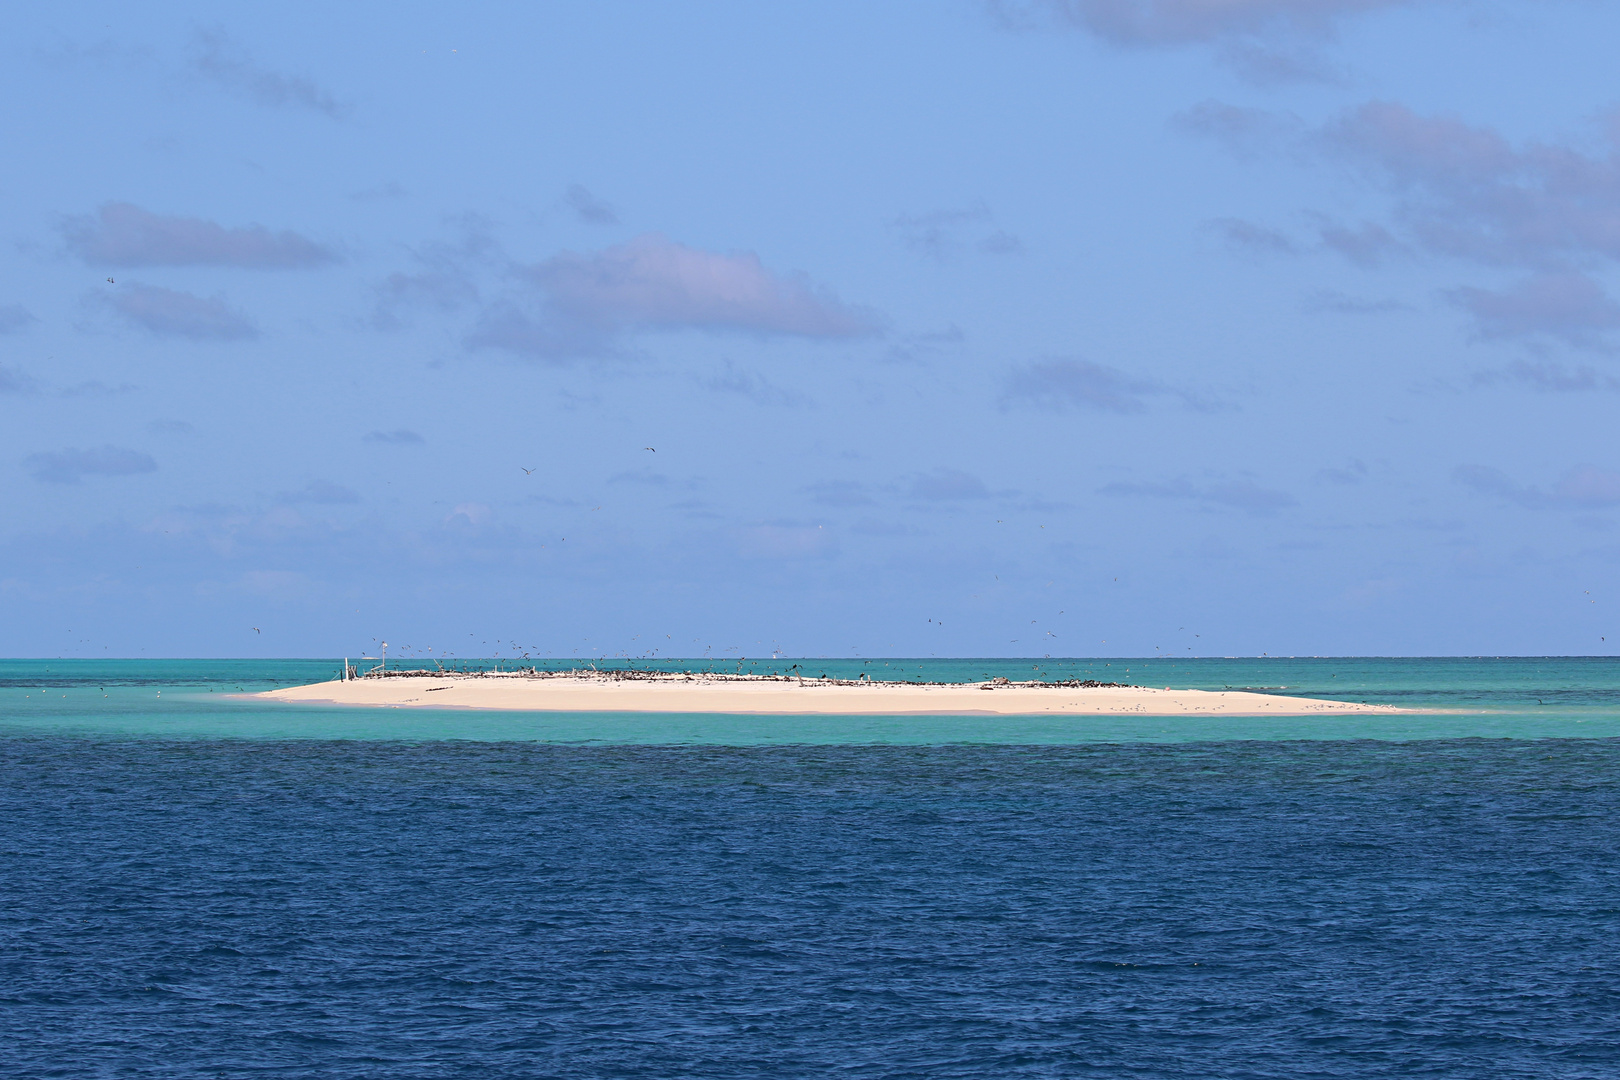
<point>675,692</point>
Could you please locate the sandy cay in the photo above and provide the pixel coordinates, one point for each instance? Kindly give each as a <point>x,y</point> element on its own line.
<point>707,693</point>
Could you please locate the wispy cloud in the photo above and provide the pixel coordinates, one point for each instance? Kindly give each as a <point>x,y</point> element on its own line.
<point>652,283</point>
<point>321,493</point>
<point>1466,192</point>
<point>946,485</point>
<point>1248,238</point>
<point>1551,376</point>
<point>217,58</point>
<point>1367,245</point>
<point>1345,304</point>
<point>1352,474</point>
<point>655,282</point>
<point>391,189</point>
<point>1266,40</point>
<point>444,278</point>
<point>95,388</point>
<point>1568,306</point>
<point>1584,487</point>
<point>588,208</point>
<point>1244,132</point>
<point>1086,385</point>
<point>786,540</point>
<point>1169,22</point>
<point>72,465</point>
<point>754,387</point>
<point>13,381</point>
<point>505,325</point>
<point>171,313</point>
<point>1242,495</point>
<point>840,493</point>
<point>436,289</point>
<point>121,234</point>
<point>642,477</point>
<point>939,234</point>
<point>15,317</point>
<point>397,437</point>
<point>925,347</point>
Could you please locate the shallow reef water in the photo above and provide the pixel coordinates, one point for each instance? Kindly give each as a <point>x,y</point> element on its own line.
<point>196,905</point>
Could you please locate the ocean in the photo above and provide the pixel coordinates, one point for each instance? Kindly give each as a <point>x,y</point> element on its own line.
<point>196,885</point>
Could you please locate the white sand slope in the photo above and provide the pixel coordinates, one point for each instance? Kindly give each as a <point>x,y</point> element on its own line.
<point>592,692</point>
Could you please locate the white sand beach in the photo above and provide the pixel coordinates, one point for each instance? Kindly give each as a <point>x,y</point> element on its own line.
<point>710,693</point>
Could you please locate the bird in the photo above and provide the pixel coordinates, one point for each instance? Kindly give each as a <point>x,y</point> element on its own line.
<point>110,281</point>
<point>256,630</point>
<point>649,448</point>
<point>526,472</point>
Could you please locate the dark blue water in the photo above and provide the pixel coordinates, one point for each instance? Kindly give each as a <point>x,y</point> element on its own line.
<point>209,907</point>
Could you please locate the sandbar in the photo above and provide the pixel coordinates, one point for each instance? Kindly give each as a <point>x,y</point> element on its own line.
<point>606,691</point>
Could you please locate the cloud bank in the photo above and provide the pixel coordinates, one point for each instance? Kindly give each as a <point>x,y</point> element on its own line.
<point>121,234</point>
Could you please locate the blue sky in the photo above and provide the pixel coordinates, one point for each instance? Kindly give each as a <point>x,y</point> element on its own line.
<point>1107,327</point>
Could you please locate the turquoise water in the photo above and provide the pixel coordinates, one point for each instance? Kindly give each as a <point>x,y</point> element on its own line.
<point>1489,697</point>
<point>198,886</point>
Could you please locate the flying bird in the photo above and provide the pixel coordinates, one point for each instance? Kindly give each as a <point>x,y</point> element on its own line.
<point>526,472</point>
<point>650,448</point>
<point>109,281</point>
<point>256,630</point>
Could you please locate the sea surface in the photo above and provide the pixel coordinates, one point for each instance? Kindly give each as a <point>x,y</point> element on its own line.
<point>197,884</point>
